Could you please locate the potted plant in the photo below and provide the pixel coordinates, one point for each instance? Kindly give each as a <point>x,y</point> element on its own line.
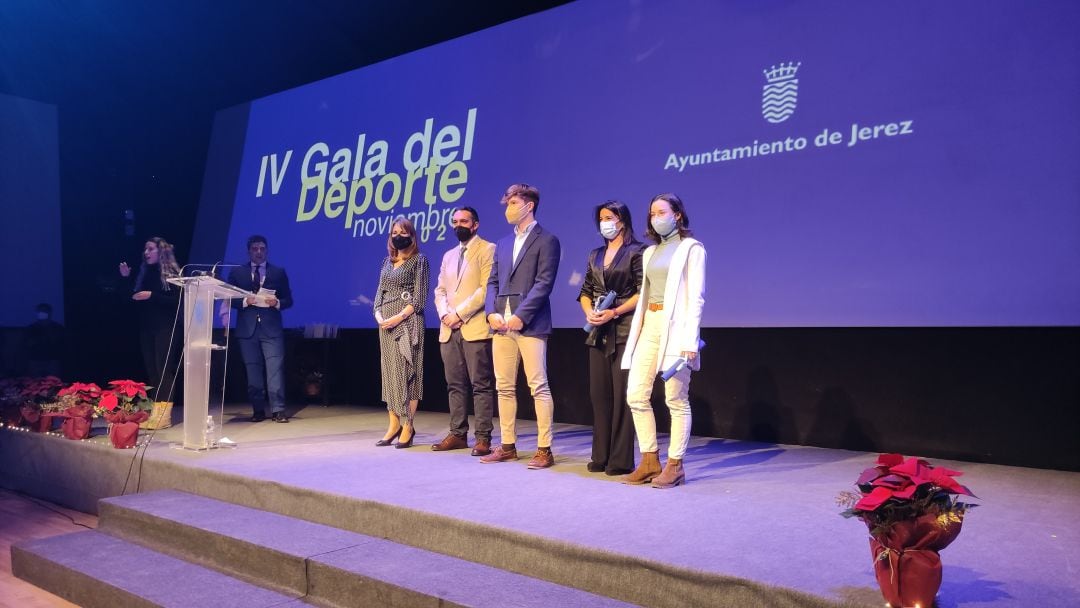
<point>11,400</point>
<point>79,401</point>
<point>912,510</point>
<point>39,402</point>
<point>124,405</point>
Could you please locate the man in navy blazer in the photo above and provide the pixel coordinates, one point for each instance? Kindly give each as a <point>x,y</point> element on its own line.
<point>260,330</point>
<point>519,313</point>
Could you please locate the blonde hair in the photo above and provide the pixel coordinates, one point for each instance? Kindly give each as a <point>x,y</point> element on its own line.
<point>166,262</point>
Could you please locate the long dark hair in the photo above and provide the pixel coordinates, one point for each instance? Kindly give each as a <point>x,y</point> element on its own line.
<point>682,224</point>
<point>166,264</point>
<point>621,211</point>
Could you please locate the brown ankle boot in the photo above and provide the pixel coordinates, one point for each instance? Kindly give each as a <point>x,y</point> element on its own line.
<point>648,468</point>
<point>672,476</point>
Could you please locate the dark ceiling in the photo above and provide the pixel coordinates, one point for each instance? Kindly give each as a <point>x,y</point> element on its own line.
<point>200,54</point>
<point>137,83</point>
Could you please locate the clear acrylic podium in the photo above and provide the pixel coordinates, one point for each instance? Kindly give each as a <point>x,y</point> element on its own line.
<point>200,293</point>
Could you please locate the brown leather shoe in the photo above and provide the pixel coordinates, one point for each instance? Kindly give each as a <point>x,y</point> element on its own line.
<point>542,459</point>
<point>646,470</point>
<point>482,447</point>
<point>500,455</point>
<point>450,442</point>
<point>672,476</point>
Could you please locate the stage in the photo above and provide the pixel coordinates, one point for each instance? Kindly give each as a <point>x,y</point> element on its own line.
<point>756,524</point>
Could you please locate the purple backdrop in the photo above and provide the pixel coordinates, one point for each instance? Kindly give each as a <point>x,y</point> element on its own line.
<point>961,208</point>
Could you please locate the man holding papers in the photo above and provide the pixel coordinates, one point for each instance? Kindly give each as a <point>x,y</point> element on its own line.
<point>260,330</point>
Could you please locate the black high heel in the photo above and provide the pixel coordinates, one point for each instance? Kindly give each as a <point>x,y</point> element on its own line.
<point>382,443</point>
<point>401,445</point>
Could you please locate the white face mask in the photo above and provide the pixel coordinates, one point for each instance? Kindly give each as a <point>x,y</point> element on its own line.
<point>664,224</point>
<point>609,229</point>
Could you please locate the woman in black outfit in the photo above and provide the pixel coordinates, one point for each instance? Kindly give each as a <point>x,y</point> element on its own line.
<point>156,301</point>
<point>615,266</point>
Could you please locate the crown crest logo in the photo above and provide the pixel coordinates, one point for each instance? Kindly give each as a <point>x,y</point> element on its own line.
<point>781,92</point>
<point>782,72</point>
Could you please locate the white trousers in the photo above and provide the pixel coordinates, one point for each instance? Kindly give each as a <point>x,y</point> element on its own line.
<point>644,366</point>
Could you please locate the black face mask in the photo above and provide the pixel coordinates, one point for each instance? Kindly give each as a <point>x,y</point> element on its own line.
<point>401,242</point>
<point>463,233</point>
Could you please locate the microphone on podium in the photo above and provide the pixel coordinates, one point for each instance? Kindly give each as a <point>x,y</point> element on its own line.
<point>212,272</point>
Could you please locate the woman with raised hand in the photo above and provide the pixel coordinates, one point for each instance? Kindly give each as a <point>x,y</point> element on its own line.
<point>156,302</point>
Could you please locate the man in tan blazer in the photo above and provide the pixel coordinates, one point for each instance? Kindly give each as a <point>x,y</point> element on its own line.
<point>464,336</point>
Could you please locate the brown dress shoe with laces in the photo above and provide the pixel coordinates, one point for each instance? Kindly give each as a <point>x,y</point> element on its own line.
<point>450,442</point>
<point>482,447</point>
<point>500,455</point>
<point>542,459</point>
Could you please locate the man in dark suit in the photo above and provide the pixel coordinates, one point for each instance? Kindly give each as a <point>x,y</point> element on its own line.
<point>519,312</point>
<point>259,328</point>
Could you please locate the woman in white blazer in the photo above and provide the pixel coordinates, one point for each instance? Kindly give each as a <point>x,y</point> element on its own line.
<point>665,331</point>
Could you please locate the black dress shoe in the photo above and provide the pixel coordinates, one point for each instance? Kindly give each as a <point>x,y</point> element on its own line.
<point>382,443</point>
<point>617,471</point>
<point>280,417</point>
<point>401,445</point>
<point>595,467</point>
<point>258,417</point>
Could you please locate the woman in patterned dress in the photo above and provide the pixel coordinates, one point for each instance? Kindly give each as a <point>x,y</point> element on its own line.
<point>399,310</point>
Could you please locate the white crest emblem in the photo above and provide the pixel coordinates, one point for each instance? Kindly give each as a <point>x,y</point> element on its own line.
<point>780,93</point>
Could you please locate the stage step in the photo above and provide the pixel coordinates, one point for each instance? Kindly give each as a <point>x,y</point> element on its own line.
<point>93,569</point>
<point>284,556</point>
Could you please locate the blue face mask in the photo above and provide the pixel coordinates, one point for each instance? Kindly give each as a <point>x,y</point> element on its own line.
<point>609,230</point>
<point>663,224</point>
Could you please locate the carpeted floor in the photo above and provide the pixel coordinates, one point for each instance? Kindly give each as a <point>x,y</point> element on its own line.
<point>757,511</point>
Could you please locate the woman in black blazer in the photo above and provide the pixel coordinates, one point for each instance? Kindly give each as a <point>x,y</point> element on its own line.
<point>614,266</point>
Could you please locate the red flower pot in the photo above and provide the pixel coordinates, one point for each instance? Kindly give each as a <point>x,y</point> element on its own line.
<point>124,427</point>
<point>30,413</point>
<point>45,423</point>
<point>123,434</point>
<point>906,560</point>
<point>77,421</point>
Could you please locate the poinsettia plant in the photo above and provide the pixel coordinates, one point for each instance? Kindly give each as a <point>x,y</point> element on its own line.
<point>81,392</point>
<point>11,400</point>
<point>124,396</point>
<point>898,489</point>
<point>41,390</point>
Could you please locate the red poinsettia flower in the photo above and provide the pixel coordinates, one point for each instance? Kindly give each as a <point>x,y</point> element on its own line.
<point>79,388</point>
<point>943,478</point>
<point>905,493</point>
<point>915,469</point>
<point>892,481</point>
<point>889,460</point>
<point>129,388</point>
<point>869,475</point>
<point>874,499</point>
<point>108,400</point>
<point>898,478</point>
